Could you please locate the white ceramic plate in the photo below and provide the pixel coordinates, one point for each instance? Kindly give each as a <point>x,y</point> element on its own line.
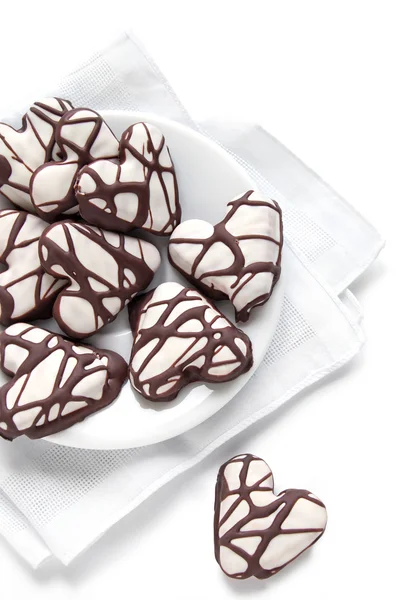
<point>208,179</point>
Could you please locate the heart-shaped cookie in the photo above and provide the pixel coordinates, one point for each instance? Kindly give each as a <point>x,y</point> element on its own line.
<point>102,271</point>
<point>55,383</point>
<point>239,258</point>
<point>26,290</point>
<point>181,338</point>
<point>257,533</point>
<point>139,191</point>
<point>81,137</point>
<point>22,151</point>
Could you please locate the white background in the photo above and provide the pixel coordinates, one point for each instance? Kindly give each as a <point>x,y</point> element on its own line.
<point>322,77</point>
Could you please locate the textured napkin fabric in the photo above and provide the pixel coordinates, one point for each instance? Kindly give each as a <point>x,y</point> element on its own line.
<point>46,489</point>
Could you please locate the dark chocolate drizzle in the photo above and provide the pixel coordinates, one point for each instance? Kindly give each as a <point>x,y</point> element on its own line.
<point>238,268</point>
<point>43,306</point>
<point>286,499</point>
<point>37,109</point>
<point>184,372</point>
<point>116,375</point>
<point>5,170</point>
<point>79,273</point>
<point>40,109</point>
<point>65,147</point>
<point>65,144</point>
<point>106,216</point>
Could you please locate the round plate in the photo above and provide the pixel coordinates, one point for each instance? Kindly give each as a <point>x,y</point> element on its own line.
<point>208,178</point>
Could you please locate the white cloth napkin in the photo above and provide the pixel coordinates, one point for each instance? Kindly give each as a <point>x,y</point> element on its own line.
<point>56,501</point>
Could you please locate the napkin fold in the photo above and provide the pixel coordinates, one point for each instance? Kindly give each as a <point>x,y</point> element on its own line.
<point>45,490</point>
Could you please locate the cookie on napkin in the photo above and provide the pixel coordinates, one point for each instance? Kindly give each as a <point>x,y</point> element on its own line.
<point>256,532</point>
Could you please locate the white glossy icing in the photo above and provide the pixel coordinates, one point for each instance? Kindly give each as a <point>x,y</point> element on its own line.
<point>129,276</point>
<point>218,254</point>
<point>94,258</point>
<point>25,418</point>
<point>91,386</point>
<point>14,356</point>
<point>17,328</point>
<point>77,314</point>
<point>180,309</point>
<point>73,406</point>
<point>232,562</point>
<point>223,370</point>
<point>53,413</point>
<point>68,370</point>
<point>198,362</point>
<point>253,289</point>
<point>226,504</point>
<point>263,498</point>
<point>96,285</point>
<point>195,347</point>
<point>25,283</point>
<point>305,514</point>
<point>52,184</point>
<point>140,356</point>
<point>53,342</point>
<point>194,325</point>
<point>257,471</point>
<point>222,354</point>
<point>81,350</point>
<point>152,316</point>
<point>166,387</point>
<point>113,304</point>
<point>241,511</point>
<point>14,392</point>
<point>248,544</point>
<point>173,348</point>
<point>241,345</point>
<point>35,335</point>
<point>284,548</point>
<point>126,206</point>
<point>232,475</point>
<point>262,522</point>
<point>40,383</point>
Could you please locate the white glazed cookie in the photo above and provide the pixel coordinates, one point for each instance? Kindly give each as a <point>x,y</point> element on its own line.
<point>55,383</point>
<point>82,136</point>
<point>239,258</point>
<point>23,151</point>
<point>257,533</point>
<point>140,191</point>
<point>26,290</point>
<point>179,338</point>
<point>104,271</point>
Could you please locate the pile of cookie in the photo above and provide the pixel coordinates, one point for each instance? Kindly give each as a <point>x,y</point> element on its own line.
<point>76,194</point>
